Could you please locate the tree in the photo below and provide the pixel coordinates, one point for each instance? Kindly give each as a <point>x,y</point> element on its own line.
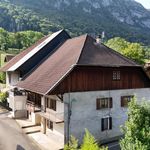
<point>137,128</point>
<point>89,143</point>
<point>72,145</point>
<point>134,51</point>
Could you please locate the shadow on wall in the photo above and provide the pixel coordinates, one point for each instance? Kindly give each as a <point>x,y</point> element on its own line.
<point>19,147</point>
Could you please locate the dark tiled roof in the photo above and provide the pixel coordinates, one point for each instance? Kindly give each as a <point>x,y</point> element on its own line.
<point>54,67</point>
<point>81,50</point>
<point>100,55</point>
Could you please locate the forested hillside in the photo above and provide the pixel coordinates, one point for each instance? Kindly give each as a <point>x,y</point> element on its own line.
<point>15,42</point>
<point>118,18</point>
<point>15,18</point>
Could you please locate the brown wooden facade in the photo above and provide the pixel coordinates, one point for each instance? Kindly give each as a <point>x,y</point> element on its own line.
<point>101,78</point>
<point>34,99</point>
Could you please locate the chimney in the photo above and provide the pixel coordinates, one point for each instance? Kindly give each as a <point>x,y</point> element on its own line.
<point>100,38</point>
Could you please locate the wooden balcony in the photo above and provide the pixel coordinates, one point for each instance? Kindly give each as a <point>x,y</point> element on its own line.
<point>32,107</point>
<point>53,116</point>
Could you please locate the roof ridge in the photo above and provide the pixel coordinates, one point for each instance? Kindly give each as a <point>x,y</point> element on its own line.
<point>78,59</point>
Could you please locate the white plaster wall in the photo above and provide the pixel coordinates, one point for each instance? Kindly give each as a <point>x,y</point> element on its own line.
<point>10,100</point>
<point>59,107</point>
<point>20,102</point>
<point>35,118</point>
<point>84,113</point>
<point>58,128</point>
<point>14,78</point>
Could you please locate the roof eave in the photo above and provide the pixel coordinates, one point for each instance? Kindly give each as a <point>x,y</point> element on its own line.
<point>64,76</point>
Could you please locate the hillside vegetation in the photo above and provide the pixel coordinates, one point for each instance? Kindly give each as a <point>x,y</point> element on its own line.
<point>15,42</point>
<point>118,18</point>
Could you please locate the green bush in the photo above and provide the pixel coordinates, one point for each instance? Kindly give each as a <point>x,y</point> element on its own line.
<point>137,127</point>
<point>89,143</point>
<point>3,97</point>
<point>72,145</point>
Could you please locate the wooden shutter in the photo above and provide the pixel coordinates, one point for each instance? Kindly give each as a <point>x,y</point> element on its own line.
<point>102,124</point>
<point>97,104</point>
<point>122,103</point>
<point>110,123</point>
<point>110,102</point>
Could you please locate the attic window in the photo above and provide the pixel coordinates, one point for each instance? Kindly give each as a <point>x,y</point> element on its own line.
<point>116,75</point>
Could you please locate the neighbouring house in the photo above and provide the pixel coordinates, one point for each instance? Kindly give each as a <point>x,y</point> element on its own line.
<point>80,84</point>
<point>19,66</point>
<point>8,57</point>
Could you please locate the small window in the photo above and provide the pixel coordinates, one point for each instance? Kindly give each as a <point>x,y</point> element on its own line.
<point>9,78</point>
<point>51,104</point>
<point>104,103</point>
<point>125,100</point>
<point>116,75</point>
<point>106,123</point>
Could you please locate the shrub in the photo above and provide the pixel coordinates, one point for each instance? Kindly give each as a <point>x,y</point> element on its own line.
<point>89,143</point>
<point>3,97</point>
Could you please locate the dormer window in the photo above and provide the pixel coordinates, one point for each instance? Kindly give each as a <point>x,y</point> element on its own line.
<point>116,75</point>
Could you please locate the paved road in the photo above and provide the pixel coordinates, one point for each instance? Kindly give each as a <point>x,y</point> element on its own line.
<point>12,137</point>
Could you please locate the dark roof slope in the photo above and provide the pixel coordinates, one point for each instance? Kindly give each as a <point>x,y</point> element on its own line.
<point>81,50</point>
<point>29,53</point>
<point>100,55</point>
<point>54,67</point>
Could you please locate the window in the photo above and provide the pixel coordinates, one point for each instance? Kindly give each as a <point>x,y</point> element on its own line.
<point>106,123</point>
<point>125,100</point>
<point>104,103</point>
<point>50,124</point>
<point>116,75</point>
<point>9,78</point>
<point>51,104</point>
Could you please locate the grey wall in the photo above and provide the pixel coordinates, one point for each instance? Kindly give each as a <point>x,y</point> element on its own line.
<point>84,114</point>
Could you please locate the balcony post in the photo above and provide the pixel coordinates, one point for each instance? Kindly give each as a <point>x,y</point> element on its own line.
<point>43,104</point>
<point>43,120</point>
<point>43,125</point>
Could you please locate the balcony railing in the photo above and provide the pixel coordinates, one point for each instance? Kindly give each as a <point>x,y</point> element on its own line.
<point>54,116</point>
<point>32,107</point>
